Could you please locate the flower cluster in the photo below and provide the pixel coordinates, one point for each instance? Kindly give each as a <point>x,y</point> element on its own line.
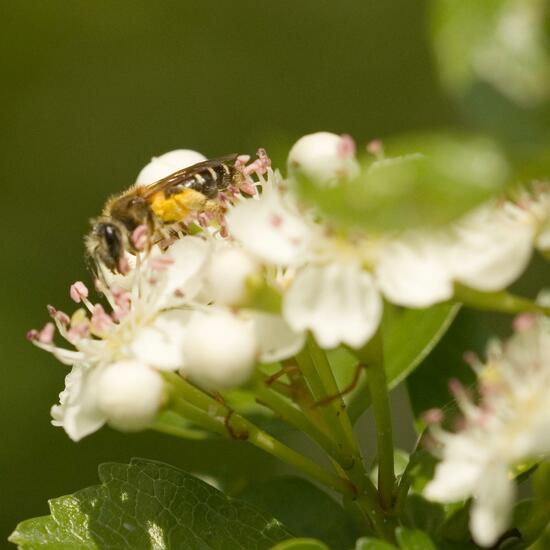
<point>509,425</point>
<point>195,305</point>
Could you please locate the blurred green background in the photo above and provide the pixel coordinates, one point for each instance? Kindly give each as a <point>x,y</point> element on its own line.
<point>91,91</point>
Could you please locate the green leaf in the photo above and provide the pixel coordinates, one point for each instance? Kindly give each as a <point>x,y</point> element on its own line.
<point>422,514</point>
<point>471,45</point>
<point>66,527</point>
<point>502,83</point>
<point>147,504</point>
<point>413,539</point>
<point>409,336</point>
<point>428,386</point>
<point>300,544</point>
<point>532,516</point>
<point>304,509</point>
<point>426,180</point>
<point>367,543</point>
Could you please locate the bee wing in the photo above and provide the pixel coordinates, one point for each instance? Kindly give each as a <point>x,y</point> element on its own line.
<point>173,180</point>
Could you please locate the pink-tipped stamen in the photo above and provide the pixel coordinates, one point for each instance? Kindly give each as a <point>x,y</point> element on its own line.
<point>78,292</point>
<point>45,336</point>
<point>524,321</point>
<point>123,266</point>
<point>433,416</point>
<point>140,237</point>
<point>100,321</point>
<point>58,316</point>
<point>346,147</point>
<point>376,148</point>
<point>161,263</point>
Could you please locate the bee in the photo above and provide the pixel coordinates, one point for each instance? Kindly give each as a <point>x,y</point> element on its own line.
<point>163,208</point>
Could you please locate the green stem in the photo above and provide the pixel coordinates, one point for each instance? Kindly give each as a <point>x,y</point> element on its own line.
<point>283,408</point>
<point>330,387</point>
<point>367,499</point>
<point>205,411</point>
<point>373,357</point>
<point>503,302</point>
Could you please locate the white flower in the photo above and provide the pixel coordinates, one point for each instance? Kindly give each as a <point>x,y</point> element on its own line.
<point>338,302</point>
<point>485,250</point>
<point>77,411</point>
<point>492,247</point>
<point>411,271</point>
<point>323,157</point>
<point>220,349</point>
<point>272,227</point>
<point>129,394</point>
<point>510,425</point>
<point>227,272</point>
<point>326,290</point>
<point>167,164</point>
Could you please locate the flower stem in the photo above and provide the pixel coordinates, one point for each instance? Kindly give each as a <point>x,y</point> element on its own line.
<point>283,408</point>
<point>205,411</point>
<point>503,301</point>
<point>373,357</point>
<point>367,498</point>
<point>331,388</point>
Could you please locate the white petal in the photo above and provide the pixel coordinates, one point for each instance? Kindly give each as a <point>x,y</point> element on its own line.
<point>77,411</point>
<point>323,157</point>
<point>185,275</point>
<point>454,480</point>
<point>492,506</point>
<point>412,272</point>
<point>492,249</point>
<point>337,302</point>
<point>227,271</point>
<point>270,229</point>
<point>276,339</point>
<point>129,394</point>
<point>160,344</point>
<point>167,164</point>
<point>220,349</point>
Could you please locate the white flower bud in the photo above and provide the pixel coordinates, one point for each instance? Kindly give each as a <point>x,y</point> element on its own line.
<point>323,157</point>
<point>220,350</point>
<point>129,393</point>
<point>167,164</point>
<point>227,272</point>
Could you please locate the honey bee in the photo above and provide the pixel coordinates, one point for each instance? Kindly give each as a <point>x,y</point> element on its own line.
<point>162,207</point>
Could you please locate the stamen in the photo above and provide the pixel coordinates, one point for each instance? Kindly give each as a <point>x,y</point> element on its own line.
<point>123,266</point>
<point>524,321</point>
<point>433,416</point>
<point>58,316</point>
<point>140,237</point>
<point>346,147</point>
<point>45,336</point>
<point>161,263</point>
<point>100,320</point>
<point>78,291</point>
<point>376,148</point>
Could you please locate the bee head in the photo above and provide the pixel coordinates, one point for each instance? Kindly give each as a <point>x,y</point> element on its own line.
<point>106,244</point>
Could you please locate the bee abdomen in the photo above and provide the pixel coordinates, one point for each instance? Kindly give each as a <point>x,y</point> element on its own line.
<point>209,181</point>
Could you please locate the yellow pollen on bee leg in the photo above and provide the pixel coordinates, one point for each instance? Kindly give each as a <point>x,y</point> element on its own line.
<point>177,207</point>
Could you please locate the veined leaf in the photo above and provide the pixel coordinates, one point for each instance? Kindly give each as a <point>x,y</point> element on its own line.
<point>409,336</point>
<point>147,504</point>
<point>300,544</point>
